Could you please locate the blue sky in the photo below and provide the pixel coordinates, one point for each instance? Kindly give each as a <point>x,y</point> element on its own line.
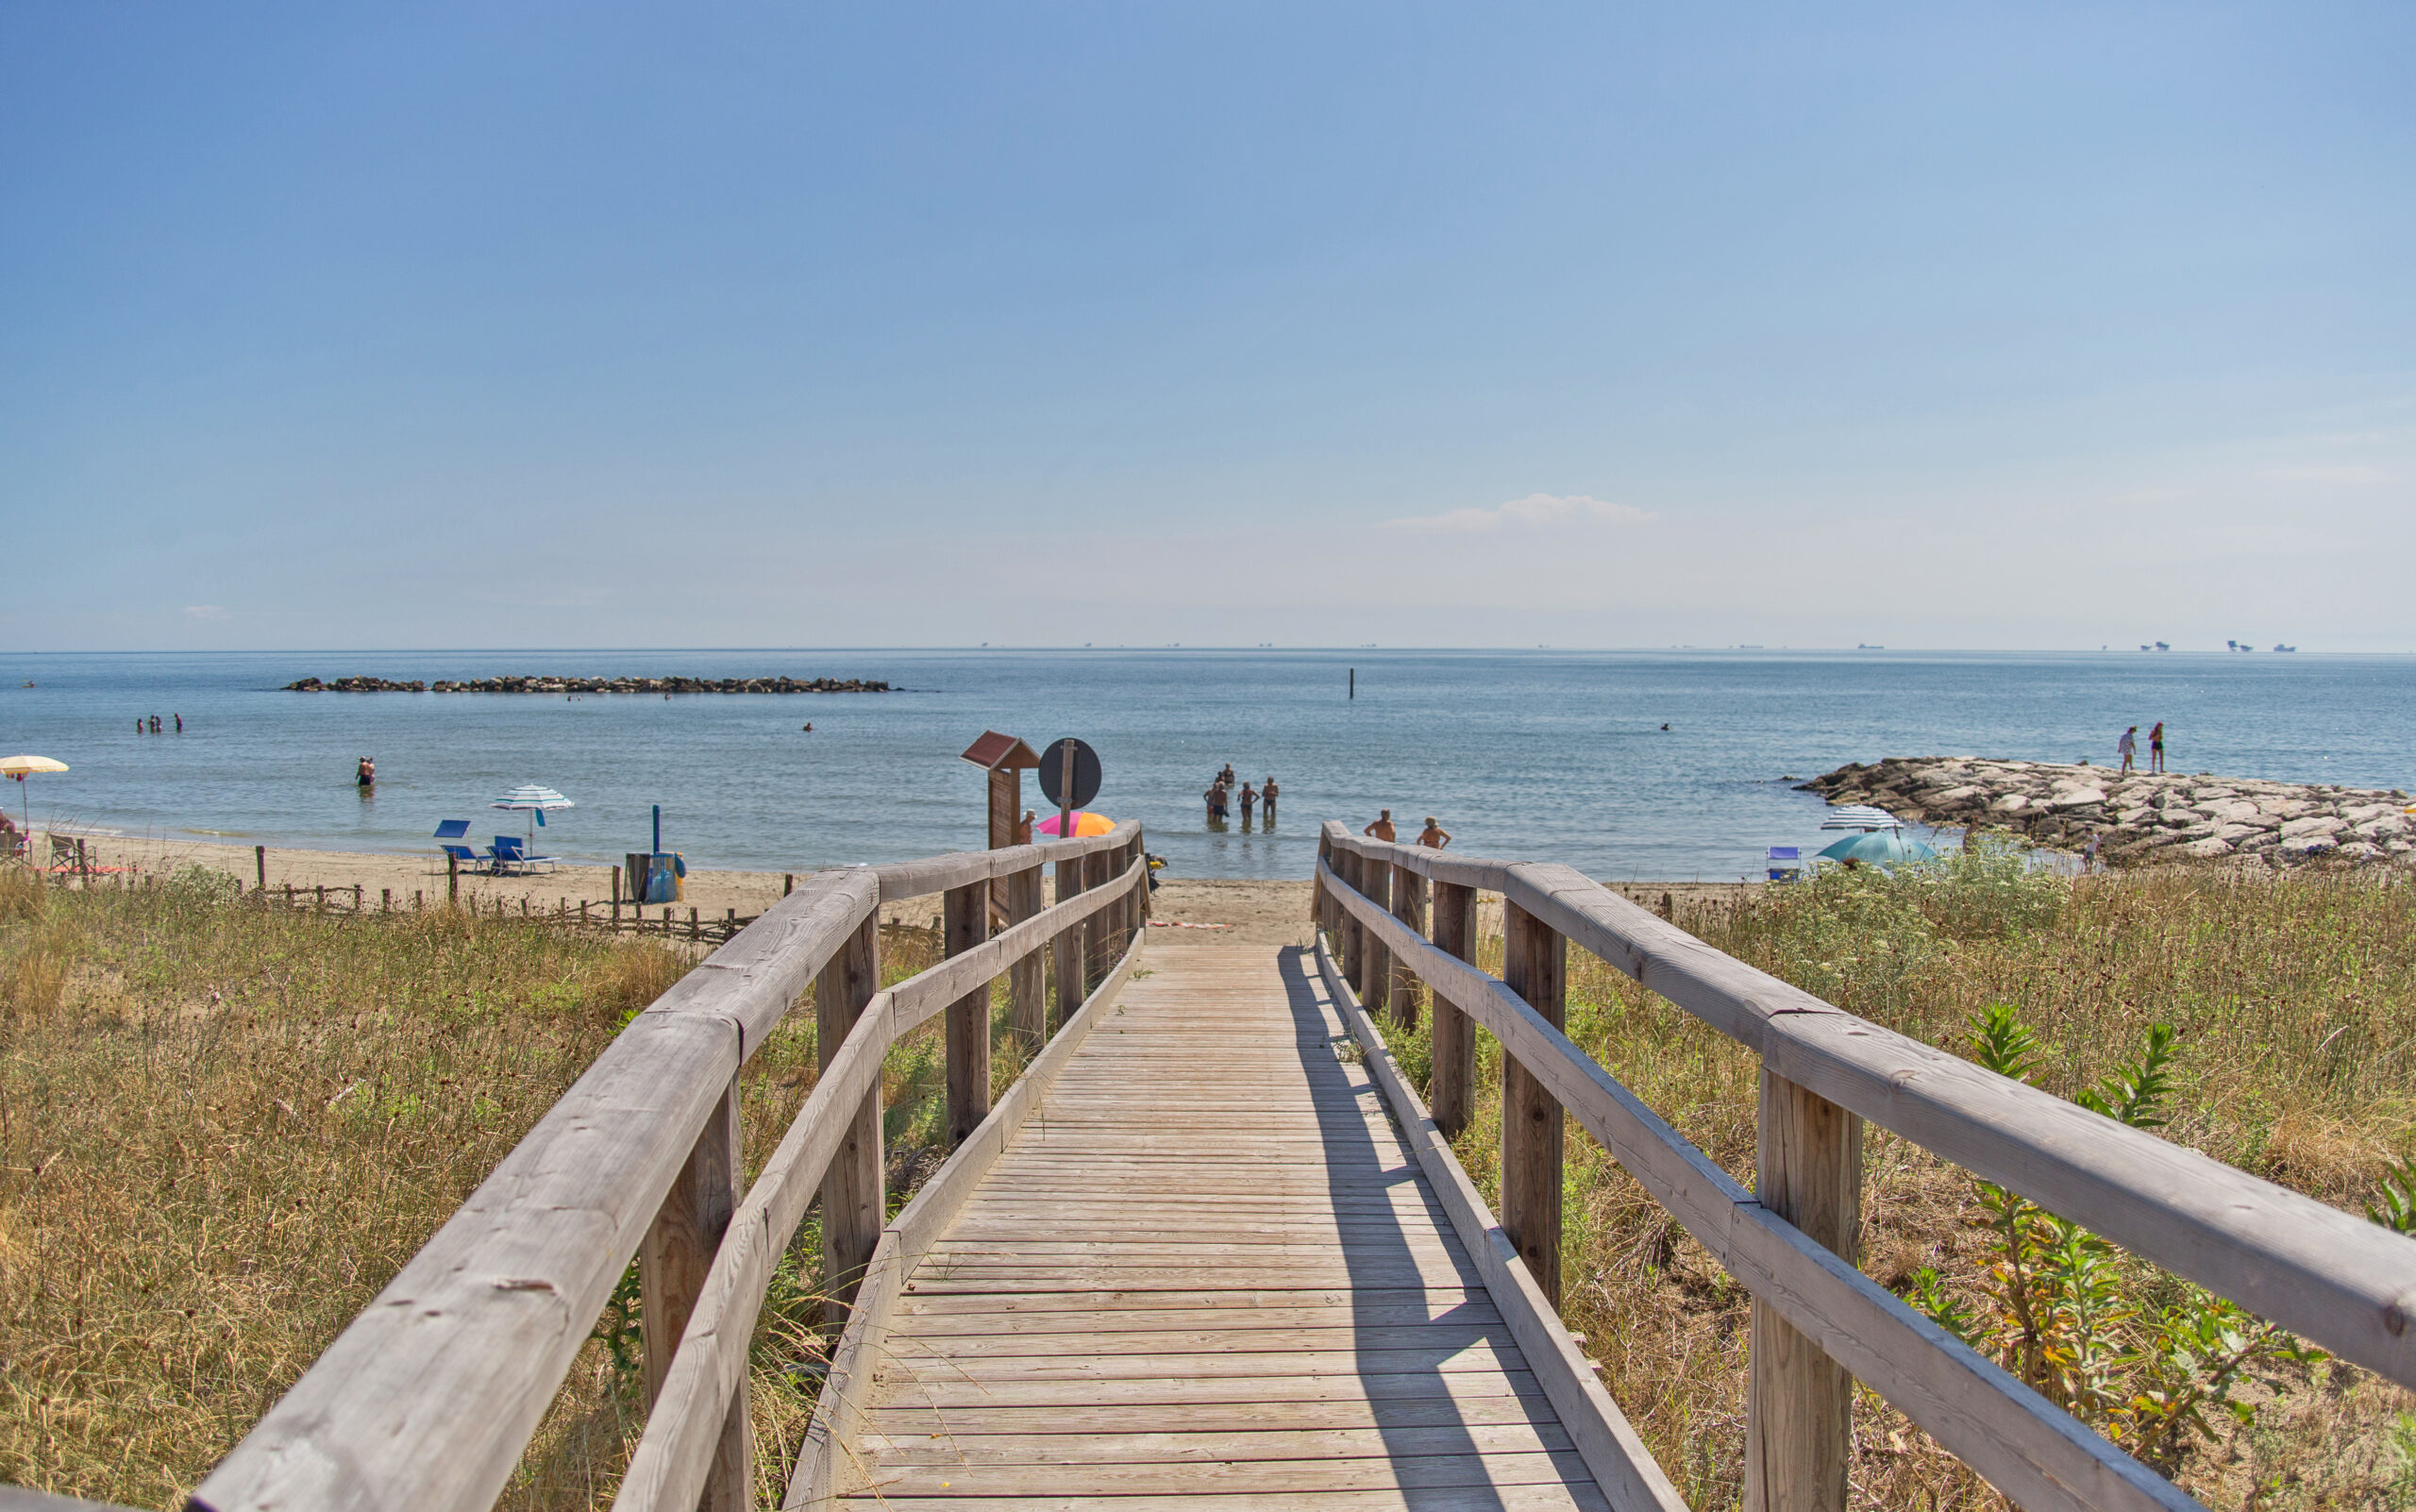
<point>1958,325</point>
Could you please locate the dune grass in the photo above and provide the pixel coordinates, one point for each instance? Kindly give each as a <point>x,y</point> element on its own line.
<point>2295,1004</point>
<point>224,1128</point>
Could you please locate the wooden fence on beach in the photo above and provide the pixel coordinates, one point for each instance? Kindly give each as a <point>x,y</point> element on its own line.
<point>1123,1170</point>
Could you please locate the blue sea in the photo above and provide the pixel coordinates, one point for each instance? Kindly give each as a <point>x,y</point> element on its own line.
<point>1543,755</point>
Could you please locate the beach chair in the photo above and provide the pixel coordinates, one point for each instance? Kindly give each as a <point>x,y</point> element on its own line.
<point>506,854</point>
<point>453,829</point>
<point>1786,864</point>
<point>469,859</point>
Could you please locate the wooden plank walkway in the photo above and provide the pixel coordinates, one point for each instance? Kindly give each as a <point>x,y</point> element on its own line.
<point>1208,1271</point>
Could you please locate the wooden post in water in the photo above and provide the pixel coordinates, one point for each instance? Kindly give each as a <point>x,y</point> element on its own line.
<point>1798,1403</point>
<point>1534,964</point>
<point>968,923</point>
<point>1454,1032</point>
<point>1409,906</point>
<point>853,1202</point>
<point>1026,996</point>
<point>672,1261</point>
<point>1065,949</point>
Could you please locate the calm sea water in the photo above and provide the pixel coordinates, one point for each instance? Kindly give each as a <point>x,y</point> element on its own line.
<point>1543,755</point>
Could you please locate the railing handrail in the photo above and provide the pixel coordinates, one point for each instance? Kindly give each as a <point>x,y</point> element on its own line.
<point>2342,1283</point>
<point>2334,1278</point>
<point>428,1397</point>
<point>669,1465</point>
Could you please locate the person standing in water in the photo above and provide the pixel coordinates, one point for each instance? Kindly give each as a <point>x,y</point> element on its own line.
<point>2155,747</point>
<point>1250,802</point>
<point>2128,746</point>
<point>366,773</point>
<point>1434,838</point>
<point>1267,796</point>
<point>1383,828</point>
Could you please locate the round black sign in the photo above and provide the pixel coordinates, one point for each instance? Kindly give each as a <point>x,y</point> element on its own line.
<point>1052,773</point>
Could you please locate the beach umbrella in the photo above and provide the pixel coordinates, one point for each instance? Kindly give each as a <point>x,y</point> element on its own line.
<point>17,768</point>
<point>1880,848</point>
<point>1086,825</point>
<point>1861,816</point>
<point>536,800</point>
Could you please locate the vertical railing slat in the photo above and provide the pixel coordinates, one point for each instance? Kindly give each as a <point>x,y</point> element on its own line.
<point>854,1204</point>
<point>1799,1403</point>
<point>673,1262</point>
<point>1454,1032</point>
<point>1535,967</point>
<point>966,920</point>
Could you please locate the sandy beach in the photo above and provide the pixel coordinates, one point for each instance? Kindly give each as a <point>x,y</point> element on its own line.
<point>1267,912</point>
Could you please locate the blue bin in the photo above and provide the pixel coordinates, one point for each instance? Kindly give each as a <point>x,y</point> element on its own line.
<point>664,869</point>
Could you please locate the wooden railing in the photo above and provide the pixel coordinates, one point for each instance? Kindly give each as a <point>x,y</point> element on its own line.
<point>428,1399</point>
<point>1819,1323</point>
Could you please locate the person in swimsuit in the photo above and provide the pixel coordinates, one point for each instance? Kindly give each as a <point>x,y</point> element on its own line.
<point>1383,828</point>
<point>2155,747</point>
<point>1250,802</point>
<point>1267,796</point>
<point>1434,838</point>
<point>366,773</point>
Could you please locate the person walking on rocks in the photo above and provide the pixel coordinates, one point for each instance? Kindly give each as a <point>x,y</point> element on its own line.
<point>2155,747</point>
<point>2128,746</point>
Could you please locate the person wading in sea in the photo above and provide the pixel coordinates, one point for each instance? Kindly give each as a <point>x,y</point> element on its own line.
<point>1250,801</point>
<point>366,773</point>
<point>1267,796</point>
<point>1383,828</point>
<point>1434,838</point>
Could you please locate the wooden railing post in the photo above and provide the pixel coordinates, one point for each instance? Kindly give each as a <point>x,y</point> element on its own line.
<point>1534,964</point>
<point>1409,906</point>
<point>1375,962</point>
<point>1097,870</point>
<point>1351,869</point>
<point>855,1203</point>
<point>1455,1033</point>
<point>1798,1403</point>
<point>968,1018</point>
<point>672,1261</point>
<point>1027,1001</point>
<point>1065,947</point>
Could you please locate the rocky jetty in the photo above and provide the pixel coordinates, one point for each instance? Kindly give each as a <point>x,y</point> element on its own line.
<point>2138,818</point>
<point>593,685</point>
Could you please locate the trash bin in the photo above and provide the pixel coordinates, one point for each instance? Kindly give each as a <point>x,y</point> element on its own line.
<point>664,872</point>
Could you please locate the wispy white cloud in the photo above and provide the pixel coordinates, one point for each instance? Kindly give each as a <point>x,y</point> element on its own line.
<point>1534,509</point>
<point>2328,475</point>
<point>205,612</point>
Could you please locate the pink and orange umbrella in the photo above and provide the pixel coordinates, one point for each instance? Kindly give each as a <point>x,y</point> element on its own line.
<point>1086,825</point>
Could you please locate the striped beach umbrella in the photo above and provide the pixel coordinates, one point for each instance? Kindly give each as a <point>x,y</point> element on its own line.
<point>17,768</point>
<point>1860,816</point>
<point>536,800</point>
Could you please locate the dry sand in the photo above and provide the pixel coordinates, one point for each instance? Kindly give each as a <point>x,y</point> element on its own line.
<point>1262,913</point>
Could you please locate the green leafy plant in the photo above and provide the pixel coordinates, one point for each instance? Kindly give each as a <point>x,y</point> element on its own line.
<point>2397,1209</point>
<point>2054,1305</point>
<point>621,1328</point>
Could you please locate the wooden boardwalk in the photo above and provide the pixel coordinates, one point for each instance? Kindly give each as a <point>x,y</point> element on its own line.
<point>1208,1269</point>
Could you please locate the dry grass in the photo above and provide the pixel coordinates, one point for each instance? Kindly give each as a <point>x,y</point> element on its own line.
<point>223,1129</point>
<point>2295,998</point>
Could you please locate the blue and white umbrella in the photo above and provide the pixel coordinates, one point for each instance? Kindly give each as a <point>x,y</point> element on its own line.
<point>536,800</point>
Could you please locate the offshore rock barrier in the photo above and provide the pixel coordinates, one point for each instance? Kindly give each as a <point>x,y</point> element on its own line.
<point>2138,818</point>
<point>593,685</point>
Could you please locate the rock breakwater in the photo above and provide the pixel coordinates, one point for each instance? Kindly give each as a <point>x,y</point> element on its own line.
<point>2138,818</point>
<point>593,685</point>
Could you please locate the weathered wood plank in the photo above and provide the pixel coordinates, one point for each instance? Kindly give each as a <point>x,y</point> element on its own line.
<point>1798,1403</point>
<point>1535,968</point>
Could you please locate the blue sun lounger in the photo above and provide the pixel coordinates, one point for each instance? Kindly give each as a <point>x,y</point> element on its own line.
<point>450,831</point>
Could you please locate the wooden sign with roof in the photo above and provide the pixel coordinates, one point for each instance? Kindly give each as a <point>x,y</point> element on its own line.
<point>1006,759</point>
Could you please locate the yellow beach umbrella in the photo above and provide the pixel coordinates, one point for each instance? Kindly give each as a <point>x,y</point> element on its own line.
<point>18,768</point>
